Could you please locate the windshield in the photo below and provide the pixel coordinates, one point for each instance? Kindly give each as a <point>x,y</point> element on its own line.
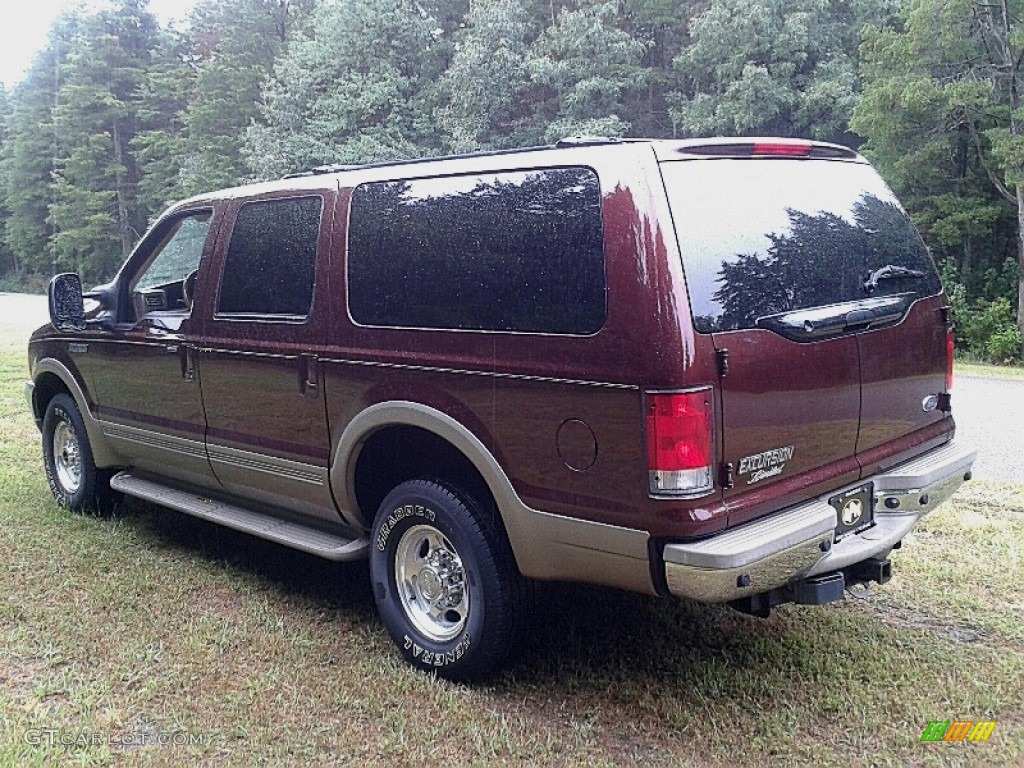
<point>762,237</point>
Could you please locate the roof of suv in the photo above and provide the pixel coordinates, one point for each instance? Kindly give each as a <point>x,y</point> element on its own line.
<point>664,149</point>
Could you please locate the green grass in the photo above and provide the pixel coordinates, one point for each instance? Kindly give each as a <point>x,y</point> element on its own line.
<point>148,622</point>
<point>988,371</point>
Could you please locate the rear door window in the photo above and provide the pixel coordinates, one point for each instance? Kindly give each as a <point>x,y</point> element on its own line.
<point>512,251</point>
<point>764,238</point>
<point>271,260</point>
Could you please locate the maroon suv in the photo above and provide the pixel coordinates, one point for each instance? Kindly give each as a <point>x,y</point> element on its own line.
<point>715,369</point>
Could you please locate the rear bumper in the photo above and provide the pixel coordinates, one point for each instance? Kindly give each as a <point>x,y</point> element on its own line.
<point>800,542</point>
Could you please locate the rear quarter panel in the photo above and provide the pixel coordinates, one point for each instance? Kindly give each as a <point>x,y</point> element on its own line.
<point>515,391</point>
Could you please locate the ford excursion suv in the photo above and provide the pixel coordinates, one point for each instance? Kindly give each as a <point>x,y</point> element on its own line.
<point>717,369</point>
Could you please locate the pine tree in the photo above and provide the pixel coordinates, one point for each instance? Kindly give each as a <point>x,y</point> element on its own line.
<point>361,86</point>
<point>235,45</point>
<point>771,67</point>
<point>95,212</point>
<point>8,263</point>
<point>589,66</point>
<point>30,153</point>
<point>486,87</point>
<point>160,144</point>
<point>944,118</point>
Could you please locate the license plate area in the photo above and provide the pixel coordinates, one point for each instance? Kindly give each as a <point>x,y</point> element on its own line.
<point>854,509</point>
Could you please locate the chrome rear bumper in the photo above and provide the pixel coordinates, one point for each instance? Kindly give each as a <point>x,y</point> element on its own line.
<point>800,541</point>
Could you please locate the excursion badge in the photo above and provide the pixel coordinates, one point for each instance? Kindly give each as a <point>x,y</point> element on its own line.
<point>765,464</point>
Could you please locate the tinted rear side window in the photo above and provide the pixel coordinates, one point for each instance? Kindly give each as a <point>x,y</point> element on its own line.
<point>271,258</point>
<point>512,251</point>
<point>760,238</point>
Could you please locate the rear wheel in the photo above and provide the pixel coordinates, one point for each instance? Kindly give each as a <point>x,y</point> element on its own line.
<point>445,580</point>
<point>75,481</point>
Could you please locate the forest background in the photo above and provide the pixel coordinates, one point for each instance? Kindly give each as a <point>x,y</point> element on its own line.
<point>118,115</point>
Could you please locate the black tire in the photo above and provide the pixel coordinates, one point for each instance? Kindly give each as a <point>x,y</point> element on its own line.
<point>445,580</point>
<point>75,481</point>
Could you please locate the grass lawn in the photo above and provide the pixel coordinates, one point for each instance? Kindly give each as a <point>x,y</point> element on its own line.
<point>988,371</point>
<point>146,625</point>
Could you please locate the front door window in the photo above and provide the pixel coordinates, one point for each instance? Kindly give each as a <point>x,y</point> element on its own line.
<point>165,287</point>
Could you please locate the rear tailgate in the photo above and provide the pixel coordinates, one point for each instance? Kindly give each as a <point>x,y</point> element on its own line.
<point>903,374</point>
<point>812,281</point>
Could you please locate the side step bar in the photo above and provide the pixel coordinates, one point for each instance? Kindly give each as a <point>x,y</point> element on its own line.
<point>314,541</point>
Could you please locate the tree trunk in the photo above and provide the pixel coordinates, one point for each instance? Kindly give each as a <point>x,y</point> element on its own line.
<point>1020,263</point>
<point>124,228</point>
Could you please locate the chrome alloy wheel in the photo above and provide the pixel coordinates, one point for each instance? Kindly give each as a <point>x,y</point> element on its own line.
<point>67,457</point>
<point>431,583</point>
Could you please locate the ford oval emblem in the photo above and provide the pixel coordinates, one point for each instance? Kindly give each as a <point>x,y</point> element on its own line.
<point>930,403</point>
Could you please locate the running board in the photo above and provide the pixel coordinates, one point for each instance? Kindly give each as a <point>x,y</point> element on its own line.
<point>301,537</point>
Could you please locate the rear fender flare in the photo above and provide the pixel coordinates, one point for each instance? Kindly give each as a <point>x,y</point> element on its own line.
<point>409,414</point>
<point>546,546</point>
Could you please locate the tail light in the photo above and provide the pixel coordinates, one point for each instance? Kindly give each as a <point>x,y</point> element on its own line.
<point>949,359</point>
<point>680,451</point>
<point>788,148</point>
<point>766,148</point>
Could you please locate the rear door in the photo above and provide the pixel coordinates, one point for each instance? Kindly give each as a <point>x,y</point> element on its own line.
<point>779,253</point>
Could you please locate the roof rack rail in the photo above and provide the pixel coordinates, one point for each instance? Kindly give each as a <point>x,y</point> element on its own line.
<point>321,169</point>
<point>334,168</point>
<point>586,141</point>
<point>569,141</point>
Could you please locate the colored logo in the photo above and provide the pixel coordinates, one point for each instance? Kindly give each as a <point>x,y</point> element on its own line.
<point>853,510</point>
<point>958,730</point>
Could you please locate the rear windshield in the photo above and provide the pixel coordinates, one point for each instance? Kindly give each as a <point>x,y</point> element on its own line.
<point>764,237</point>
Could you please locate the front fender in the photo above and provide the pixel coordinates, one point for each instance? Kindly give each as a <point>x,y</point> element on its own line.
<point>103,453</point>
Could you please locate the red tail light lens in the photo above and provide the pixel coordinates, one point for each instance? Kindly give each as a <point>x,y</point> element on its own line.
<point>788,148</point>
<point>680,442</point>
<point>949,359</point>
<point>777,147</point>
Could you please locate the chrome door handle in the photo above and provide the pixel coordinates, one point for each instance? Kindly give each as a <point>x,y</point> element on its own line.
<point>309,375</point>
<point>186,356</point>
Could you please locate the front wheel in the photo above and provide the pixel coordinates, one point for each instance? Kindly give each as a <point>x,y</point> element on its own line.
<point>445,581</point>
<point>75,481</point>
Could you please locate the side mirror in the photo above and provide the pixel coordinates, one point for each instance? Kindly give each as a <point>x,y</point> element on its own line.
<point>67,309</point>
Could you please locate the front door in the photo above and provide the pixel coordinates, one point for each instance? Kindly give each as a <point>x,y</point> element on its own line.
<point>143,373</point>
<point>262,387</point>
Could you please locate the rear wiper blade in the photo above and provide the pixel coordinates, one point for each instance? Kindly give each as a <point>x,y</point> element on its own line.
<point>889,272</point>
<point>816,323</point>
